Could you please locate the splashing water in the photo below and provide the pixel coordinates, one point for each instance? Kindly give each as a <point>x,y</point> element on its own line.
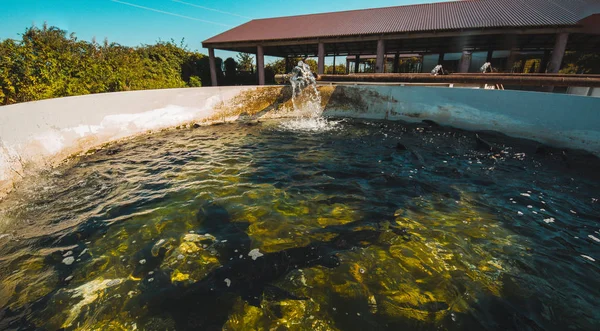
<point>307,102</point>
<point>302,78</point>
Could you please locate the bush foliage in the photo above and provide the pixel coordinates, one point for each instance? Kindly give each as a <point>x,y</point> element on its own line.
<point>48,63</point>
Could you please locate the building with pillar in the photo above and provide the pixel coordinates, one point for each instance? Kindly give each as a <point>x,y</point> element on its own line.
<point>456,33</point>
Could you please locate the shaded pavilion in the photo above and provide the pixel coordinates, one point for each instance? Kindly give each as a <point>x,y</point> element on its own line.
<point>513,26</point>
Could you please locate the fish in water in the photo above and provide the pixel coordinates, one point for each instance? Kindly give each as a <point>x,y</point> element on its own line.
<point>206,304</point>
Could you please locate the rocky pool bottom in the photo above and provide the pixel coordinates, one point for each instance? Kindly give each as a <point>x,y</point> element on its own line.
<point>251,226</point>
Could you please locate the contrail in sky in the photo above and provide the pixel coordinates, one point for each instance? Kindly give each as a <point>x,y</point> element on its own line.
<point>168,13</point>
<point>211,9</point>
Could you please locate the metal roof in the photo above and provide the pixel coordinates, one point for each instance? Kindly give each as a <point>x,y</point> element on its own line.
<point>454,15</point>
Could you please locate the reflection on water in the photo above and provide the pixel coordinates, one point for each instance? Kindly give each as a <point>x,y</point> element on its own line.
<point>371,225</point>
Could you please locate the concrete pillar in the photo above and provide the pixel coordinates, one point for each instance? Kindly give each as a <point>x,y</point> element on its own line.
<point>380,64</point>
<point>396,64</point>
<point>558,52</point>
<point>321,54</point>
<point>490,55</point>
<point>465,62</point>
<point>347,66</point>
<point>260,64</point>
<point>356,63</point>
<point>213,67</point>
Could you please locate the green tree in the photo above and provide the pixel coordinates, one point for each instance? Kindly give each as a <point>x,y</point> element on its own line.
<point>339,69</point>
<point>313,64</point>
<point>195,81</point>
<point>278,67</point>
<point>245,62</point>
<point>8,68</point>
<point>230,67</point>
<point>581,63</point>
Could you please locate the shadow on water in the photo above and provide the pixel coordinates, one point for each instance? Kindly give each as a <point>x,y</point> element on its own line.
<point>244,273</point>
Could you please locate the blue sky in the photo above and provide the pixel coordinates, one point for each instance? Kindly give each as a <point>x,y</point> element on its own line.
<point>135,22</point>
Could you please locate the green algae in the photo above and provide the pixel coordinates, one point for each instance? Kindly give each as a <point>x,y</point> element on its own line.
<point>454,252</point>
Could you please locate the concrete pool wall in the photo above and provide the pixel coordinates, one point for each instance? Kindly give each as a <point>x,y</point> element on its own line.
<point>38,135</point>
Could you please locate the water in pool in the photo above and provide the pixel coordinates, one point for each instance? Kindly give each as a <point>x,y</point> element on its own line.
<point>367,225</point>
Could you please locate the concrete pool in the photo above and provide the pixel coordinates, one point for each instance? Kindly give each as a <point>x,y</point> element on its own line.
<point>47,131</point>
<point>417,208</point>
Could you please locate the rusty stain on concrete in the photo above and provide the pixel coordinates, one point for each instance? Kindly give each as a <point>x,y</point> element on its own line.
<point>349,98</point>
<point>252,104</point>
<point>265,102</point>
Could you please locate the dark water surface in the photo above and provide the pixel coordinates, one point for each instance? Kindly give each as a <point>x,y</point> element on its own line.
<point>370,225</point>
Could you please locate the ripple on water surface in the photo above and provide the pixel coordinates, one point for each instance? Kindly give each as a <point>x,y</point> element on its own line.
<point>366,225</point>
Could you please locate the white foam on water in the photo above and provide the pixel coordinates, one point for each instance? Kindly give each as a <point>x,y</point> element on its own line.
<point>68,260</point>
<point>88,293</point>
<point>588,257</point>
<point>255,254</point>
<point>318,124</point>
